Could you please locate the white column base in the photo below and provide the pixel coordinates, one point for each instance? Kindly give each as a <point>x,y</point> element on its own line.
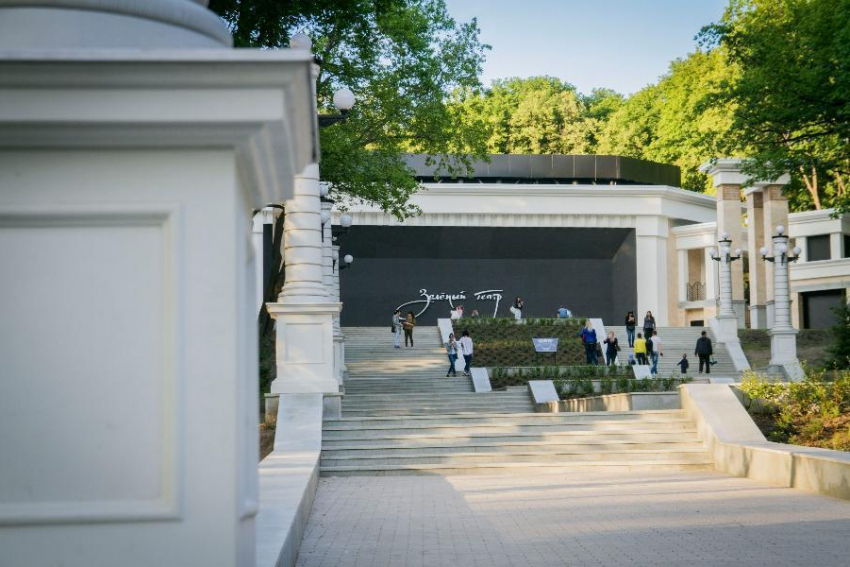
<point>727,328</point>
<point>305,347</point>
<point>758,317</point>
<point>783,352</point>
<point>339,358</point>
<point>740,307</point>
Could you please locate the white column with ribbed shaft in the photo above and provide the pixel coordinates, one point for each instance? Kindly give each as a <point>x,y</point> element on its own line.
<point>328,278</point>
<point>339,336</point>
<point>783,337</point>
<point>727,318</point>
<point>304,311</point>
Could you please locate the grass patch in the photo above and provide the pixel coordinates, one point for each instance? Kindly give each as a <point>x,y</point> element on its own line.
<point>812,347</point>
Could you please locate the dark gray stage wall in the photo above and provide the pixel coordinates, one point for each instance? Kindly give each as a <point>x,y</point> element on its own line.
<point>589,270</point>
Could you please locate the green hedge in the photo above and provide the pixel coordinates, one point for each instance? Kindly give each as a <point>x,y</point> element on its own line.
<point>506,342</point>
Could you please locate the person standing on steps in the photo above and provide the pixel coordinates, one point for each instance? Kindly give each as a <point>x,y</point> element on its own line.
<point>611,348</point>
<point>703,350</point>
<point>640,349</point>
<point>648,325</point>
<point>684,364</point>
<point>656,351</point>
<point>466,347</point>
<point>630,328</point>
<point>409,323</point>
<point>588,337</point>
<point>516,308</point>
<point>452,348</point>
<point>397,327</point>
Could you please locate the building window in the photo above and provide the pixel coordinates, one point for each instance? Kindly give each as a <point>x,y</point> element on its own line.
<point>817,248</point>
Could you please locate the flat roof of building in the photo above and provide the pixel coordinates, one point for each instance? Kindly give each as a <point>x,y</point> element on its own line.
<point>566,169</point>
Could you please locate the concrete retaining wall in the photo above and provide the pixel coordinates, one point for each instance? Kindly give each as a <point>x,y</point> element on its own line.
<point>634,401</point>
<point>739,448</point>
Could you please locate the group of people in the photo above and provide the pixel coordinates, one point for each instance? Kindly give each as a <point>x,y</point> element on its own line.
<point>405,324</point>
<point>456,348</point>
<point>647,346</point>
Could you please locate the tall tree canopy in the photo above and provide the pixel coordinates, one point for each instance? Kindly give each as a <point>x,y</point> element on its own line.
<point>402,59</point>
<point>791,99</point>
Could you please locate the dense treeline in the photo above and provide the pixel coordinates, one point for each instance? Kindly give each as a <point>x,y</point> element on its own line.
<point>768,82</point>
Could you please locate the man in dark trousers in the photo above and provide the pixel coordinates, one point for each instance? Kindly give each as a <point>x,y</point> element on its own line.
<point>704,351</point>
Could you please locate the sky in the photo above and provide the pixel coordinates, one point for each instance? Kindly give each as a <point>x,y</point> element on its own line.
<point>619,44</point>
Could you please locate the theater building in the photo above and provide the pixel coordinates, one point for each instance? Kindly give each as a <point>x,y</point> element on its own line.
<point>598,234</point>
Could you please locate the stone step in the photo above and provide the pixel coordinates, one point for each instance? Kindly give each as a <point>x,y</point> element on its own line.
<point>695,455</point>
<point>459,438</point>
<point>413,399</point>
<point>521,468</point>
<point>590,417</point>
<point>564,446</point>
<point>374,431</point>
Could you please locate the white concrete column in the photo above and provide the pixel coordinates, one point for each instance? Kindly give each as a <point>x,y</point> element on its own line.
<point>711,287</point>
<point>304,311</point>
<point>775,214</point>
<point>836,246</point>
<point>783,337</point>
<point>339,336</point>
<point>327,249</point>
<point>682,291</point>
<point>755,240</point>
<point>651,252</point>
<point>727,317</point>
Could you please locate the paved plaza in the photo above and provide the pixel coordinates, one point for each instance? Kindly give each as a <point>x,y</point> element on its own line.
<point>548,520</point>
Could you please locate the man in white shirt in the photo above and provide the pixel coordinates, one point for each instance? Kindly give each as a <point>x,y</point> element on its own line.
<point>466,348</point>
<point>656,351</point>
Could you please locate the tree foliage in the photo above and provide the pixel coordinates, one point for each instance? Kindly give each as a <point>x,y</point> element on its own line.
<point>402,59</point>
<point>791,99</point>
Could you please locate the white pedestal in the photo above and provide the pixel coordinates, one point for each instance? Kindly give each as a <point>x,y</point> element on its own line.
<point>758,317</point>
<point>305,353</point>
<point>727,329</point>
<point>128,320</point>
<point>783,352</point>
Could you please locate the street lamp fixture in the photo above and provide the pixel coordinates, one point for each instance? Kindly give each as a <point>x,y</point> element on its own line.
<point>343,101</point>
<point>780,249</point>
<point>347,260</point>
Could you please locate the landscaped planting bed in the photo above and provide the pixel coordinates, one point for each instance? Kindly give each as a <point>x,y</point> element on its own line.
<point>506,342</point>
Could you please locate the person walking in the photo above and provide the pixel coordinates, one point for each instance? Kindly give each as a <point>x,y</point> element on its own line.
<point>466,348</point>
<point>684,364</point>
<point>588,337</point>
<point>630,328</point>
<point>516,308</point>
<point>611,348</point>
<point>397,327</point>
<point>648,325</point>
<point>408,324</point>
<point>656,351</point>
<point>452,348</point>
<point>640,349</point>
<point>703,350</point>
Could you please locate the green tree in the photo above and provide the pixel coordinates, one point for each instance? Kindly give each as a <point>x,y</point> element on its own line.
<point>599,105</point>
<point>402,59</point>
<point>541,115</point>
<point>670,122</point>
<point>839,351</point>
<point>792,99</point>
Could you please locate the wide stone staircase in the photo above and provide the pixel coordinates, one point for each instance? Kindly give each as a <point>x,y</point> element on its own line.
<point>401,415</point>
<point>676,341</point>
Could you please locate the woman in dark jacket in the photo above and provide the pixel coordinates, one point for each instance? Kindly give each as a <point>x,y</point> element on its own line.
<point>588,337</point>
<point>648,325</point>
<point>630,328</point>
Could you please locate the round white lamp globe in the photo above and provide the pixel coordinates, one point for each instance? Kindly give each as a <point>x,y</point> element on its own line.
<point>348,258</point>
<point>301,41</point>
<point>345,220</point>
<point>324,189</point>
<point>344,99</point>
<point>797,251</point>
<point>335,255</point>
<point>763,251</point>
<point>780,230</point>
<point>738,251</point>
<point>326,216</point>
<point>724,236</point>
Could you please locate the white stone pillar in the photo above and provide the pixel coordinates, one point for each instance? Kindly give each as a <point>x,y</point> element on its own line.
<point>304,311</point>
<point>726,317</point>
<point>128,175</point>
<point>836,246</point>
<point>651,247</point>
<point>755,241</point>
<point>775,214</point>
<point>711,287</point>
<point>783,337</point>
<point>682,285</point>
<point>339,336</point>
<point>328,265</point>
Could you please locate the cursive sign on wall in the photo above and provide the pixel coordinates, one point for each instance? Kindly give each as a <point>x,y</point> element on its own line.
<point>429,299</point>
